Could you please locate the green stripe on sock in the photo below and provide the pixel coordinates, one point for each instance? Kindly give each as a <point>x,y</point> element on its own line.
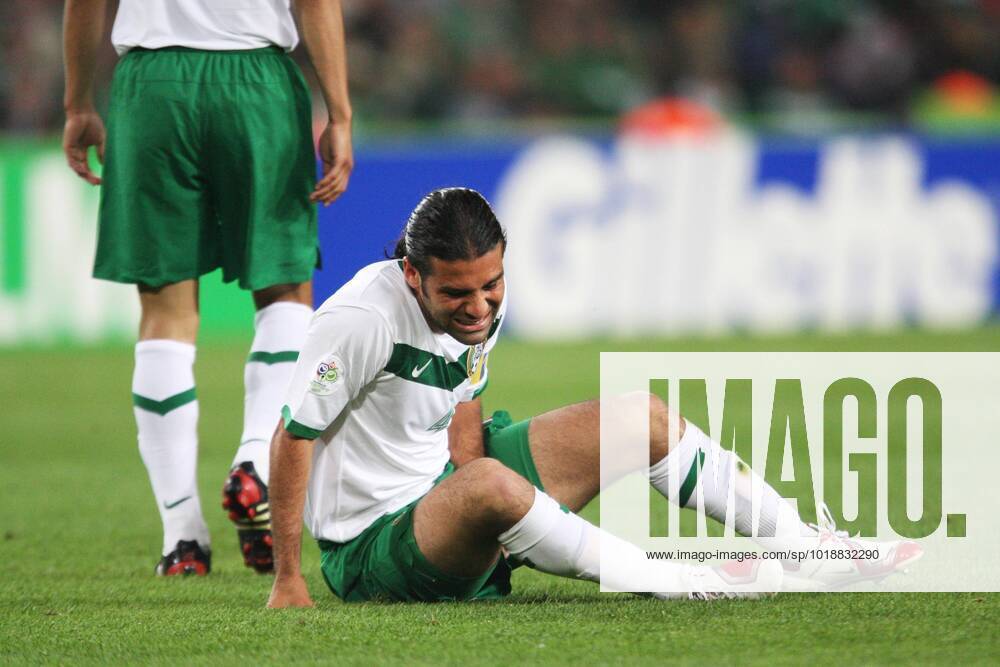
<point>691,481</point>
<point>273,357</point>
<point>166,405</point>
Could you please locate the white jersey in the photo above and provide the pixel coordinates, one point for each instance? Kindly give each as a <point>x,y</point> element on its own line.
<point>377,389</point>
<point>212,25</point>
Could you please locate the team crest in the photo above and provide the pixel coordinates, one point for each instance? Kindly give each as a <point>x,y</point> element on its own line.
<point>328,373</point>
<point>476,362</point>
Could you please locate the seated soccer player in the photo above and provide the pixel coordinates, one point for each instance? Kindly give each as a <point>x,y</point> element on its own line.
<point>382,445</point>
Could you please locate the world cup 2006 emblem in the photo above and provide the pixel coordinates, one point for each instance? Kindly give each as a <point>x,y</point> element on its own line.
<point>328,373</point>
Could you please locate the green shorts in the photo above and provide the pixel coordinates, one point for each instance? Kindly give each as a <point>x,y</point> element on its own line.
<point>384,562</point>
<point>209,163</point>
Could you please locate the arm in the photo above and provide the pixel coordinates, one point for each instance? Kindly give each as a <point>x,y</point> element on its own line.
<point>345,348</point>
<point>321,24</point>
<point>83,28</point>
<point>465,433</point>
<point>291,460</point>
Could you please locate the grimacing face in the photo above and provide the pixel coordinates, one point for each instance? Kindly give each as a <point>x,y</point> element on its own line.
<point>460,297</point>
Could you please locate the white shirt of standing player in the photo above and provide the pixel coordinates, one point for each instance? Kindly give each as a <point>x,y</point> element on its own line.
<point>212,25</point>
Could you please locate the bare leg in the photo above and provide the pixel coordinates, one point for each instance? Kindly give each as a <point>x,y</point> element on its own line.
<point>166,411</point>
<point>456,525</point>
<point>169,312</point>
<point>294,292</point>
<point>565,444</point>
<point>460,525</point>
<point>283,314</point>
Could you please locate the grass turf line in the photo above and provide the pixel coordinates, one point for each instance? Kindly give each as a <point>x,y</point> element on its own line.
<point>79,534</point>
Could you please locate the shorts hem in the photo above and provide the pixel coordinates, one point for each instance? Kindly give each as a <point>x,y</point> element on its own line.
<point>244,284</point>
<point>302,276</point>
<point>150,281</point>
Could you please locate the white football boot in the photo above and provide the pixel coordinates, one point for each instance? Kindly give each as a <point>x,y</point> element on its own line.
<point>846,563</point>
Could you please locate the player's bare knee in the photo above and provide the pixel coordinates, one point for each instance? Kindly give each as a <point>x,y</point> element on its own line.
<point>660,423</point>
<point>639,424</point>
<point>168,323</point>
<point>169,311</point>
<point>499,493</point>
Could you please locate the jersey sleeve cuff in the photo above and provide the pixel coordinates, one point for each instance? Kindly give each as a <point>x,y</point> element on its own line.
<point>295,428</point>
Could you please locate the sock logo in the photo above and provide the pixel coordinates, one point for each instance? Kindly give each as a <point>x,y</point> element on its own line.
<point>174,504</point>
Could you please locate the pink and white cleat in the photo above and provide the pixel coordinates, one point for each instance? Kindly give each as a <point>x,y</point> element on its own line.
<point>847,560</point>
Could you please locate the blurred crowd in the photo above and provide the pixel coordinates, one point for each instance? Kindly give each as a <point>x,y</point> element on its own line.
<point>480,61</point>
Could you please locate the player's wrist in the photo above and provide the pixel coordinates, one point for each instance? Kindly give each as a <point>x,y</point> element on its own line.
<point>79,108</point>
<point>342,116</point>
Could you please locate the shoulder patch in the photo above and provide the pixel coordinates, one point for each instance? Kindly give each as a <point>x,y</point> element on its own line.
<point>328,373</point>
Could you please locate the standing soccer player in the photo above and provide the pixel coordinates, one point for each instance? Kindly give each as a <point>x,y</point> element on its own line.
<point>208,163</point>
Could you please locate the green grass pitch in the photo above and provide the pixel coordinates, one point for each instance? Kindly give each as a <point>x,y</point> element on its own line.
<point>79,535</point>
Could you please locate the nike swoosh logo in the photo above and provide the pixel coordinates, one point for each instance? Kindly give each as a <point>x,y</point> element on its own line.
<point>172,505</point>
<point>418,370</point>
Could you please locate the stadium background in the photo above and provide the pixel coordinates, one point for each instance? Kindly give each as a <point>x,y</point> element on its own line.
<point>687,175</point>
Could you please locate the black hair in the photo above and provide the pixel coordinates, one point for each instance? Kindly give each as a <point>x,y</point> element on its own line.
<point>449,224</point>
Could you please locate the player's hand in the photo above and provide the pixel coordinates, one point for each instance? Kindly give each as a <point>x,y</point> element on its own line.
<point>83,129</point>
<point>337,154</point>
<point>289,591</point>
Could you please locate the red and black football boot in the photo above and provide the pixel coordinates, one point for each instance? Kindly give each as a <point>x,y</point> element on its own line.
<point>187,559</point>
<point>244,496</point>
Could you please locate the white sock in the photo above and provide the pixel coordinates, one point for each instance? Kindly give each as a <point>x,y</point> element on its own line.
<point>780,525</point>
<point>280,330</point>
<point>166,414</point>
<point>561,543</point>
